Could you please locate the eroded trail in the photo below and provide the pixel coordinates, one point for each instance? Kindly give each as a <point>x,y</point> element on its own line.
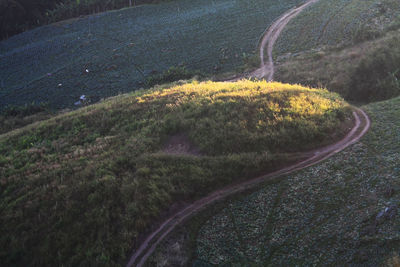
<point>361,126</point>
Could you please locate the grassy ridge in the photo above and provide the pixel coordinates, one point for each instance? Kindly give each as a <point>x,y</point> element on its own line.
<point>327,214</point>
<point>108,53</point>
<point>81,187</point>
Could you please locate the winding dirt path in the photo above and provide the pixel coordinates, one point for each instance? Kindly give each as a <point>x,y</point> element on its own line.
<point>267,43</point>
<point>361,126</point>
<point>266,70</point>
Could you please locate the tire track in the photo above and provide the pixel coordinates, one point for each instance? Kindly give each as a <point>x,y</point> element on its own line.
<point>267,69</point>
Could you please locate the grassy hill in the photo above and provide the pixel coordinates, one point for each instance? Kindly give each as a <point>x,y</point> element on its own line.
<point>115,52</point>
<point>330,214</point>
<point>343,211</point>
<point>84,187</point>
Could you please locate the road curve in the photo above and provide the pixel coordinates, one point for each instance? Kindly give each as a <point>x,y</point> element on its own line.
<point>361,126</point>
<point>266,69</point>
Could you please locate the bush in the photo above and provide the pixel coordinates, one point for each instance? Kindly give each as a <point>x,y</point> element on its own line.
<point>25,110</point>
<point>171,75</point>
<point>13,117</point>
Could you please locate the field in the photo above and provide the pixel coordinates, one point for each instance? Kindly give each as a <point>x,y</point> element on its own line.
<point>114,52</point>
<point>340,212</point>
<point>84,187</point>
<point>338,23</point>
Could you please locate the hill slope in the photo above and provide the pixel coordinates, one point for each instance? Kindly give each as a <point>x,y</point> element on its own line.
<point>83,186</point>
<point>343,211</point>
<point>339,212</point>
<point>338,23</point>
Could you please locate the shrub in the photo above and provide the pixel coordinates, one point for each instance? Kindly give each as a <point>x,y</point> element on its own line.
<point>25,110</point>
<point>171,75</point>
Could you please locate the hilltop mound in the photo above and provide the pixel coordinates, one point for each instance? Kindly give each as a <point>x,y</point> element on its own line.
<point>82,186</point>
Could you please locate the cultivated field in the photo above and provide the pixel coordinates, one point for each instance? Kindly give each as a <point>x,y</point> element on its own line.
<point>114,52</point>
<point>86,187</point>
<point>338,23</point>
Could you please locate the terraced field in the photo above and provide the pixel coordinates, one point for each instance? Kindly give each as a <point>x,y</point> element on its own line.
<point>109,53</point>
<point>339,22</point>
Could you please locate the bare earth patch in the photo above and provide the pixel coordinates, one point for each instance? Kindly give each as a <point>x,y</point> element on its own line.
<point>179,144</point>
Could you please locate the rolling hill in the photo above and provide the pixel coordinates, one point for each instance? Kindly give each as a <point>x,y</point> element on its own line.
<point>85,187</point>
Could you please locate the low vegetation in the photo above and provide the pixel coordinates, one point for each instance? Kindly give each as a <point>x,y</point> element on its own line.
<point>115,52</point>
<point>82,188</point>
<point>338,23</point>
<point>343,211</point>
<point>13,117</point>
<point>171,75</point>
<point>365,72</point>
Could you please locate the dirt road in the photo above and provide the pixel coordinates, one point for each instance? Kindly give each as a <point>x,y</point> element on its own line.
<point>362,124</point>
<point>266,69</point>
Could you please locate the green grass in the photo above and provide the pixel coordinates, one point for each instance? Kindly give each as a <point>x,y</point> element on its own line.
<point>365,72</point>
<point>121,49</point>
<point>338,23</point>
<point>83,187</point>
<point>323,215</point>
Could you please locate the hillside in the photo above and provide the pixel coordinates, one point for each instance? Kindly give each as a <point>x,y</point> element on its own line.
<point>115,52</point>
<point>338,23</point>
<point>340,212</point>
<point>343,211</point>
<point>349,47</point>
<point>363,73</point>
<point>84,187</point>
<point>197,172</point>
